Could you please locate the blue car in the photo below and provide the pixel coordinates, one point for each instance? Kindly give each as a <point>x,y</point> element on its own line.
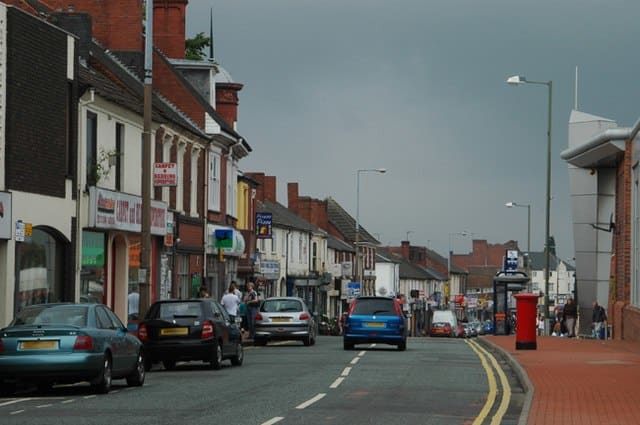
<point>487,327</point>
<point>375,320</point>
<point>49,344</point>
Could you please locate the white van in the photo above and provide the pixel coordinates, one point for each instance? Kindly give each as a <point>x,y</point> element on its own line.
<point>446,316</point>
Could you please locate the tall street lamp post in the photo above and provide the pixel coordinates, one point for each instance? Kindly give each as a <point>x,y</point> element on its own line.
<point>357,262</point>
<point>528,207</point>
<point>451,235</point>
<point>517,80</point>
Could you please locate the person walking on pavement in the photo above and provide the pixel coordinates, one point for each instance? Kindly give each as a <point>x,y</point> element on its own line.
<point>252,301</point>
<point>230,302</point>
<point>598,320</point>
<point>570,313</point>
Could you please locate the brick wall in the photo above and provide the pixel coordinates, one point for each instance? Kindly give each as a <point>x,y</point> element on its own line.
<point>40,105</point>
<point>227,101</point>
<point>625,318</point>
<point>312,210</point>
<point>169,27</point>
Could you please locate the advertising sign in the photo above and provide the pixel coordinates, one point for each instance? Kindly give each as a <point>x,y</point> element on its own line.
<point>263,225</point>
<point>5,215</point>
<point>511,261</point>
<point>121,211</point>
<point>165,174</point>
<point>353,289</point>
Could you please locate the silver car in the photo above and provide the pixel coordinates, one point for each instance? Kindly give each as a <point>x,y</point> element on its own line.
<point>284,318</point>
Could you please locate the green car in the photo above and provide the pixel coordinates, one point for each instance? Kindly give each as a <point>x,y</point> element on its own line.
<point>49,344</point>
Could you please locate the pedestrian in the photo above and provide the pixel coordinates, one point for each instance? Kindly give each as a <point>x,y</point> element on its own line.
<point>203,292</point>
<point>134,303</point>
<point>570,313</point>
<point>230,302</point>
<point>540,324</point>
<point>253,302</point>
<point>598,320</point>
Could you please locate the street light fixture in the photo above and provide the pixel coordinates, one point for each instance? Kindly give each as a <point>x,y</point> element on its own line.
<point>517,80</point>
<point>528,207</point>
<point>357,243</point>
<point>451,235</point>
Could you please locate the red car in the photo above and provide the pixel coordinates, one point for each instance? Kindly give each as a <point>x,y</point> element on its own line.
<point>440,329</point>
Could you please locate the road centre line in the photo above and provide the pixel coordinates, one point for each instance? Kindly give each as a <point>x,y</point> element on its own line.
<point>67,401</point>
<point>18,400</point>
<point>346,371</point>
<point>16,412</point>
<point>44,405</point>
<point>90,396</point>
<point>311,401</point>
<point>491,397</point>
<point>362,353</point>
<point>273,420</point>
<point>337,382</point>
<point>506,388</point>
<point>355,360</point>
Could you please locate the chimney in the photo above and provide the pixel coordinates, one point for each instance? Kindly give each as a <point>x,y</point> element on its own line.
<point>405,249</point>
<point>117,24</point>
<point>270,188</point>
<point>78,24</point>
<point>227,101</point>
<point>169,27</point>
<point>292,196</point>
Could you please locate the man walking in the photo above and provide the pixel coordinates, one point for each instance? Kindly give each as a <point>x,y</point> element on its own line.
<point>598,319</point>
<point>230,302</point>
<point>252,301</point>
<point>570,313</point>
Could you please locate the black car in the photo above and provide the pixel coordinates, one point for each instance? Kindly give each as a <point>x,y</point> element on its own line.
<point>188,330</point>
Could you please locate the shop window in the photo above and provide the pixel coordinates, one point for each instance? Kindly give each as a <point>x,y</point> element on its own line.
<point>92,272</point>
<point>135,251</point>
<point>39,270</point>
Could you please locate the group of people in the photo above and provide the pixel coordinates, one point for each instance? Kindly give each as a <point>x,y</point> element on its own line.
<point>565,322</point>
<point>238,305</point>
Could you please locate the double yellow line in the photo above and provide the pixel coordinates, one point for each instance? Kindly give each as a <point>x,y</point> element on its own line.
<point>486,358</point>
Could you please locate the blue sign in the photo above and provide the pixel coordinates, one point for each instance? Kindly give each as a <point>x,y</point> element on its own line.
<point>263,225</point>
<point>511,261</point>
<point>353,289</point>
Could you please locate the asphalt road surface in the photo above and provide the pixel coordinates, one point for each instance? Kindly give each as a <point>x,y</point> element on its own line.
<point>436,381</point>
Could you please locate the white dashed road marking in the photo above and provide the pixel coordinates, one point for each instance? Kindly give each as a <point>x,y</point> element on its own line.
<point>346,371</point>
<point>44,405</point>
<point>16,412</point>
<point>362,353</point>
<point>273,420</point>
<point>337,382</point>
<point>311,401</point>
<point>19,400</point>
<point>355,360</point>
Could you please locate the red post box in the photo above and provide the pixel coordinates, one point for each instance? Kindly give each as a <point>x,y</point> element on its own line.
<point>527,306</point>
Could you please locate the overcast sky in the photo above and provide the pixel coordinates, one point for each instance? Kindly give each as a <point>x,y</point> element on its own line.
<point>418,87</point>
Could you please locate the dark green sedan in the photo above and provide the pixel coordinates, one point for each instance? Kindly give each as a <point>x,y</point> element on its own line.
<point>49,344</point>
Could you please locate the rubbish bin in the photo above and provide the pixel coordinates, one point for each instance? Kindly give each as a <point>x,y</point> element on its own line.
<point>526,305</point>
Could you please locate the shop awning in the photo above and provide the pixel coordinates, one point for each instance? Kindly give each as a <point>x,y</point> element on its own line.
<point>233,244</point>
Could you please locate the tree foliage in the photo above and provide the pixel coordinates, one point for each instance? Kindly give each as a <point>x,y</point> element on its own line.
<point>195,48</point>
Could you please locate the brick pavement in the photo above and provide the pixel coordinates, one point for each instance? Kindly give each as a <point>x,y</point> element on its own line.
<point>580,381</point>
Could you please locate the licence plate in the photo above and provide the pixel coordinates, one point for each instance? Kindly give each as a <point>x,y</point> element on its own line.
<point>281,319</point>
<point>39,345</point>
<point>374,325</point>
<point>174,331</point>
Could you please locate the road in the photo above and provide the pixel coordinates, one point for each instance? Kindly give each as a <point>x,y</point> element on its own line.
<point>436,381</point>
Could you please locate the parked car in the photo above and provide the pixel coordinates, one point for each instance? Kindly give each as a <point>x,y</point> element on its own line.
<point>469,330</point>
<point>477,326</point>
<point>285,318</point>
<point>49,344</point>
<point>440,329</point>
<point>190,330</point>
<point>487,326</point>
<point>375,320</point>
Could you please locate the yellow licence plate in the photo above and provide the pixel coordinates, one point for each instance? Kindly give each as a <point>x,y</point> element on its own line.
<point>281,319</point>
<point>39,345</point>
<point>374,325</point>
<point>174,331</point>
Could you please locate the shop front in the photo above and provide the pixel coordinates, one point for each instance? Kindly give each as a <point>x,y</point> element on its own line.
<point>111,246</point>
<point>268,277</point>
<point>225,246</point>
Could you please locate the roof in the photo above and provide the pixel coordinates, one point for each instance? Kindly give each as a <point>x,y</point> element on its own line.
<point>338,244</point>
<point>408,270</point>
<point>347,224</point>
<point>284,217</point>
<point>538,260</point>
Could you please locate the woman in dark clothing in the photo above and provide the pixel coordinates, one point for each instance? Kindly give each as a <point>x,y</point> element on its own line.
<point>570,313</point>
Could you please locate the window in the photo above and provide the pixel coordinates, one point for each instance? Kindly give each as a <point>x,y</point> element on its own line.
<point>232,188</point>
<point>118,159</point>
<point>92,149</point>
<point>193,207</point>
<point>180,174</point>
<point>214,181</point>
<point>104,322</point>
<point>183,276</point>
<point>314,257</point>
<point>274,244</point>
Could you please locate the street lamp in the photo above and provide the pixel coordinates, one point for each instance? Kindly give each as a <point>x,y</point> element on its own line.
<point>517,80</point>
<point>528,207</point>
<point>451,235</point>
<point>366,170</point>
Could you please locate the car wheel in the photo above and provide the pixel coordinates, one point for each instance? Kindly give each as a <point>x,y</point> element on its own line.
<point>103,384</point>
<point>348,345</point>
<point>306,340</point>
<point>238,358</point>
<point>136,379</point>
<point>215,362</point>
<point>403,345</point>
<point>169,364</point>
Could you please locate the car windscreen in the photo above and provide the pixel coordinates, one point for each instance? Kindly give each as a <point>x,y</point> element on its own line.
<point>281,306</point>
<point>74,315</point>
<point>187,309</point>
<point>378,307</point>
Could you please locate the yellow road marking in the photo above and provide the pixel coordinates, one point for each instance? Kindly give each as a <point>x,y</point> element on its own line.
<point>491,398</point>
<point>506,388</point>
